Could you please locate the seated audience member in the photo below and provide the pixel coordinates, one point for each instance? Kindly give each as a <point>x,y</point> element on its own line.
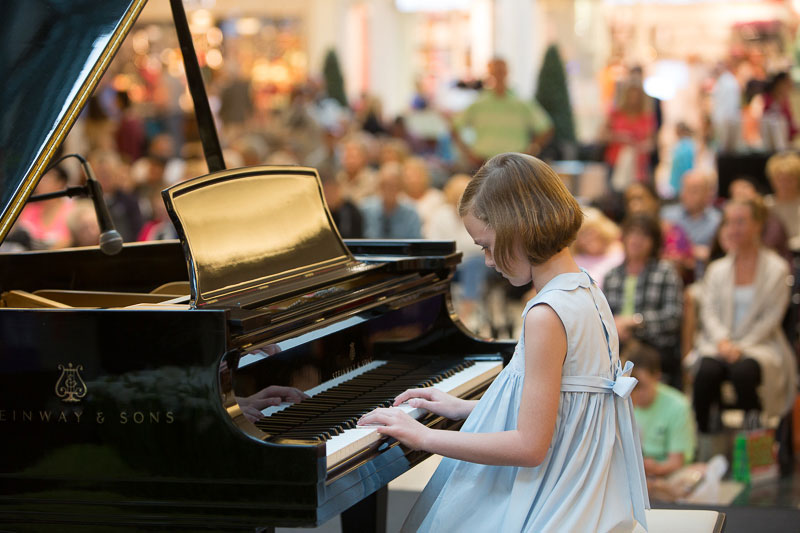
<point>82,224</point>
<point>357,178</point>
<point>386,215</point>
<point>418,191</point>
<point>743,299</point>
<point>645,294</point>
<point>472,272</point>
<point>676,246</point>
<point>393,150</point>
<point>346,215</point>
<point>663,414</point>
<point>695,214</point>
<point>597,246</point>
<point>46,222</point>
<point>783,171</point>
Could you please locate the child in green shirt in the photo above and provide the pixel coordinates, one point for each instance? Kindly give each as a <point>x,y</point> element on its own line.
<point>663,414</point>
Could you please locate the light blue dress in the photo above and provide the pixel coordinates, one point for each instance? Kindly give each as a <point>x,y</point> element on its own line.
<point>592,478</point>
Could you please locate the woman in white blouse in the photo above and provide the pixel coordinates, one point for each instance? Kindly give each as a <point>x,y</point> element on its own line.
<point>743,300</point>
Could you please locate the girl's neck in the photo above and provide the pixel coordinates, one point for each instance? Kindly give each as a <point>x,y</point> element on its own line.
<point>560,263</point>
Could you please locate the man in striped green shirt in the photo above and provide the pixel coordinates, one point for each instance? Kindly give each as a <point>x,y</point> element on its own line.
<point>501,121</point>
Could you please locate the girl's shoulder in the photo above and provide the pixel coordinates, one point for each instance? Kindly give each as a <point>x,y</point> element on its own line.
<point>564,294</point>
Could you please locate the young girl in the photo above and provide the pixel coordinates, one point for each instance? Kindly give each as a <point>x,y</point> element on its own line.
<point>553,447</point>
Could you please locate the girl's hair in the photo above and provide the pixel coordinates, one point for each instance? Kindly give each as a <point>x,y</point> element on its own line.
<point>526,204</point>
<point>649,226</point>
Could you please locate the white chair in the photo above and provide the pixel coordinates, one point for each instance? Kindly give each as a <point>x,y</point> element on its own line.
<point>683,520</point>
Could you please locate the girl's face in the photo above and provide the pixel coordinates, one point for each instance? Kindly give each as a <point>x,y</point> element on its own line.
<point>519,273</point>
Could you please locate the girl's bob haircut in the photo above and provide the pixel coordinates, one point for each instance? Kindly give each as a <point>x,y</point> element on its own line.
<point>526,204</point>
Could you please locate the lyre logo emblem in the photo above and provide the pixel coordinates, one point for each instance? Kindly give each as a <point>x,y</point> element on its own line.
<point>70,387</point>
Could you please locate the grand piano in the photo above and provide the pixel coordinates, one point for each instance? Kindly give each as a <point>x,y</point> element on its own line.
<point>123,377</point>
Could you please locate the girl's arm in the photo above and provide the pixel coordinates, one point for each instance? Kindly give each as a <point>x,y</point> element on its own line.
<point>525,446</point>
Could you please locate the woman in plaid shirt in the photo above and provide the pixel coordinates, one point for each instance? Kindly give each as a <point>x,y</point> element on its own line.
<point>645,294</point>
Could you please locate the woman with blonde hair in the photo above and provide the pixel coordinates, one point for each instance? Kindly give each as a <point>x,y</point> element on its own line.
<point>783,171</point>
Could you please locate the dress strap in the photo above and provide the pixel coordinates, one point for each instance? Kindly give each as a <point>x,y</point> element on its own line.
<point>621,388</point>
<point>602,322</point>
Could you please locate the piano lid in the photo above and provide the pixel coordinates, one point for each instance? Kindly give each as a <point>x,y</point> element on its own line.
<point>255,233</point>
<point>52,54</point>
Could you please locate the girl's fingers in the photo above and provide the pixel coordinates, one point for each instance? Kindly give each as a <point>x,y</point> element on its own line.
<point>382,415</point>
<point>373,419</point>
<point>426,393</point>
<point>421,403</point>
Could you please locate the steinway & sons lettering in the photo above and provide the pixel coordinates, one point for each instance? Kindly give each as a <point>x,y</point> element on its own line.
<point>55,416</point>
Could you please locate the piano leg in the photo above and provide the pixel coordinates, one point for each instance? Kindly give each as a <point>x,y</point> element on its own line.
<point>367,515</point>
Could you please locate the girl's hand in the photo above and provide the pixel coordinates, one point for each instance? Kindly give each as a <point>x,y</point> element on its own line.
<point>437,402</point>
<point>397,424</point>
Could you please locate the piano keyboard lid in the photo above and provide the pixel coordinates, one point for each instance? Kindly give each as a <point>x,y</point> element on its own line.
<point>257,233</point>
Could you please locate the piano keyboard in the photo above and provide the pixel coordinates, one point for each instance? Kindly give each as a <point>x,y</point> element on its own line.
<point>335,406</point>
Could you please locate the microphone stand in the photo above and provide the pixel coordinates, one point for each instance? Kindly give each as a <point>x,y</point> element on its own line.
<point>110,239</point>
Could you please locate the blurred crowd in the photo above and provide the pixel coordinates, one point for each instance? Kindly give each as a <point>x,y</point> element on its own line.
<point>704,280</point>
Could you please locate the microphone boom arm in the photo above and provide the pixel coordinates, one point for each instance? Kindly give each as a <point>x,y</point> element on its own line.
<point>110,239</point>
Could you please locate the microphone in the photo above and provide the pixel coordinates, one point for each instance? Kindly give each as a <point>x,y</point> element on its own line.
<point>110,239</point>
